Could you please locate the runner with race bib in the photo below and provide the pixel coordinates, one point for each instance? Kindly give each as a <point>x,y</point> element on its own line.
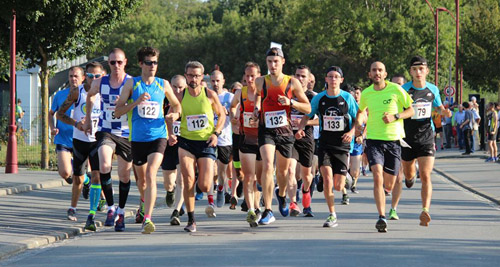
<point>336,110</point>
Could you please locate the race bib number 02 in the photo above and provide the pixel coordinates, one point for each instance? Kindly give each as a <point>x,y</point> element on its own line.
<point>149,109</point>
<point>422,110</point>
<point>296,119</point>
<point>197,122</point>
<point>275,119</point>
<point>177,128</point>
<point>246,120</point>
<point>333,123</point>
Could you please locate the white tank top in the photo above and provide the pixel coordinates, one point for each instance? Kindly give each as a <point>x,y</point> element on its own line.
<point>80,111</point>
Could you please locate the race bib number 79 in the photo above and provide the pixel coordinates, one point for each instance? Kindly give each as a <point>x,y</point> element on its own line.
<point>422,110</point>
<point>275,119</point>
<point>149,109</point>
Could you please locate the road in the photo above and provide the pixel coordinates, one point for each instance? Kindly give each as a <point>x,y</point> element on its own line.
<point>465,231</point>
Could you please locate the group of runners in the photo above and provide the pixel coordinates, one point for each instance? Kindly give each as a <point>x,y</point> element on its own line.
<point>268,126</point>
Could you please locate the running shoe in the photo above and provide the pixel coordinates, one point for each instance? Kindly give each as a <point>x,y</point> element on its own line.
<point>267,218</point>
<point>227,198</point>
<point>381,225</point>
<point>86,190</point>
<point>354,190</point>
<point>252,218</point>
<point>387,192</point>
<point>198,196</point>
<point>490,159</point>
<point>169,199</point>
<point>363,171</point>
<point>294,209</point>
<point>259,214</point>
<point>69,180</point>
<point>90,224</point>
<point>331,222</point>
<point>210,211</point>
<point>174,218</point>
<point>139,215</point>
<point>120,223</point>
<point>190,227</point>
<point>101,206</point>
<point>282,205</point>
<point>244,206</point>
<point>308,212</point>
<point>234,202</point>
<point>393,215</point>
<point>345,199</point>
<point>110,218</point>
<point>148,227</point>
<point>425,218</point>
<point>72,214</point>
<point>239,190</point>
<point>319,186</point>
<point>410,182</point>
<point>182,211</point>
<point>220,199</point>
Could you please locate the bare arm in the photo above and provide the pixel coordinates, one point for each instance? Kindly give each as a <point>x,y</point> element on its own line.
<point>61,113</point>
<point>94,90</point>
<point>122,107</point>
<point>302,104</point>
<point>53,129</point>
<point>259,83</point>
<point>358,124</point>
<point>444,111</point>
<point>175,107</point>
<point>234,105</point>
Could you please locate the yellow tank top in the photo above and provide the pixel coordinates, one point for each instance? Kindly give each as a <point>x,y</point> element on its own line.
<point>197,121</point>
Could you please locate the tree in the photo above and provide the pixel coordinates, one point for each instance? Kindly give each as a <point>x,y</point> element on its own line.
<point>481,46</point>
<point>53,29</point>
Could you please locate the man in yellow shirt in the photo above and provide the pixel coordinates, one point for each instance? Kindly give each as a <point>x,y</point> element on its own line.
<point>388,105</point>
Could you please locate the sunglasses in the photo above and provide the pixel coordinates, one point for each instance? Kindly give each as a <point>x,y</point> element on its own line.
<point>150,63</point>
<point>113,62</point>
<point>94,76</point>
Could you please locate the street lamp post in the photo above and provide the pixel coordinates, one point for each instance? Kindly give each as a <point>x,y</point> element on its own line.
<point>11,159</point>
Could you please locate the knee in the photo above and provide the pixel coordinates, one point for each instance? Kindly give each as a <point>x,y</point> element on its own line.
<point>77,180</point>
<point>104,167</point>
<point>64,173</point>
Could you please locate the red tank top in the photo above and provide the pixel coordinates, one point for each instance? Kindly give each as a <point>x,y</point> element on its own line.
<point>247,107</point>
<point>273,114</point>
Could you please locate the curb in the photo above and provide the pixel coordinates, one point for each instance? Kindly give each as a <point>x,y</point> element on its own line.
<point>35,242</point>
<point>466,186</point>
<point>30,187</point>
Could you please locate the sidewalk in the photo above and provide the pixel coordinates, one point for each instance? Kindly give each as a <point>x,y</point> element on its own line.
<point>33,204</point>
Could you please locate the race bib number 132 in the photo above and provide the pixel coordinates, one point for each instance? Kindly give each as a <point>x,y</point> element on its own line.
<point>275,119</point>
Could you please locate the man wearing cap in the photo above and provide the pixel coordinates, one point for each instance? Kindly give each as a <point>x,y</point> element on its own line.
<point>272,107</point>
<point>419,131</point>
<point>388,105</point>
<point>336,110</point>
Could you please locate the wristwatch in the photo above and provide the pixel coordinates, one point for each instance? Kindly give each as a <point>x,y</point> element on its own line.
<point>217,133</point>
<point>396,116</point>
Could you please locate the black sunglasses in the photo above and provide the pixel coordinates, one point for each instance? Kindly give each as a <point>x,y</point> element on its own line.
<point>113,62</point>
<point>150,63</point>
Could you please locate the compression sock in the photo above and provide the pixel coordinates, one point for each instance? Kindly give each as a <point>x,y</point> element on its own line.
<point>124,189</point>
<point>95,194</point>
<point>107,188</point>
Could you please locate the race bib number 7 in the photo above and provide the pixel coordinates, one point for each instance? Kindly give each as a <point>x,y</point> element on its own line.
<point>422,110</point>
<point>197,122</point>
<point>148,109</point>
<point>333,123</point>
<point>275,119</point>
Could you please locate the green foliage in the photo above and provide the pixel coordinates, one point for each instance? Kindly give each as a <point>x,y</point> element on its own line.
<point>481,46</point>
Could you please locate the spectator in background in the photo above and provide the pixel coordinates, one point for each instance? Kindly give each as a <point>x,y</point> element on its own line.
<point>447,126</point>
<point>458,120</point>
<point>492,131</point>
<point>474,108</point>
<point>466,126</point>
<point>19,114</point>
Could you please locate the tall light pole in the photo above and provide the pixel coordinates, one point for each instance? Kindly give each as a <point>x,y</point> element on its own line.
<point>457,46</point>
<point>11,159</point>
<point>435,13</point>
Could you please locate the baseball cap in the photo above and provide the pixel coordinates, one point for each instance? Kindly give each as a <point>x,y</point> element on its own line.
<point>275,51</point>
<point>335,68</point>
<point>418,61</point>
